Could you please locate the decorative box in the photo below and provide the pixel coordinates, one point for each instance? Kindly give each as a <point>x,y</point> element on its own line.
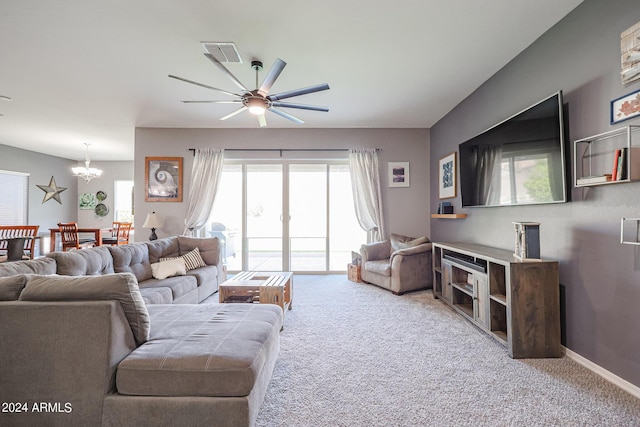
<point>353,273</point>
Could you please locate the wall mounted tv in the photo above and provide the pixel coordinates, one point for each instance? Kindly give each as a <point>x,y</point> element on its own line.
<point>519,161</point>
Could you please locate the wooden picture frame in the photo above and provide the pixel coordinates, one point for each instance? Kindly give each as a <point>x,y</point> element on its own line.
<point>398,174</point>
<point>163,179</point>
<point>447,182</point>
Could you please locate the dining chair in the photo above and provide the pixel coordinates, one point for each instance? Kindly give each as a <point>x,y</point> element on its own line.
<point>119,234</point>
<point>71,238</point>
<point>27,233</point>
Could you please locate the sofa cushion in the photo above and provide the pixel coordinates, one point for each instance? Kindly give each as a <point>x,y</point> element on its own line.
<point>37,266</point>
<point>163,248</point>
<point>84,262</point>
<point>382,267</point>
<point>205,275</point>
<point>132,258</point>
<point>156,295</point>
<point>11,286</point>
<point>179,285</point>
<point>399,241</point>
<point>168,268</point>
<point>120,287</point>
<point>208,247</point>
<point>202,350</point>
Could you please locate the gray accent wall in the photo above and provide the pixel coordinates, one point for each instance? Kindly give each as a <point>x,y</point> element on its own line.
<point>406,209</point>
<point>600,279</point>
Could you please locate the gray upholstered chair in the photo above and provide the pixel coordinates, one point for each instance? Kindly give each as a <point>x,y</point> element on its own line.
<point>400,264</point>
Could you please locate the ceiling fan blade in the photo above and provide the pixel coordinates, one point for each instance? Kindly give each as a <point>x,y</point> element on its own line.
<point>262,120</point>
<point>227,72</point>
<point>298,92</point>
<point>299,106</point>
<point>286,115</point>
<point>271,76</point>
<point>203,85</point>
<point>238,111</point>
<point>233,101</point>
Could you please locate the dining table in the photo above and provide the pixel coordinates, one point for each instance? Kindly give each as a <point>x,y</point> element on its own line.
<point>97,232</point>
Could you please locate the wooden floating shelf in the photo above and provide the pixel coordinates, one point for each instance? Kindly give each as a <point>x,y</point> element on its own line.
<point>449,216</point>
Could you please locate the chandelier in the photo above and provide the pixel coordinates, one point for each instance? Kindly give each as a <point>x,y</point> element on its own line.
<point>86,172</point>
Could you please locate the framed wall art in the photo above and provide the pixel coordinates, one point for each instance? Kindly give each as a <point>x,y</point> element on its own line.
<point>87,201</point>
<point>625,107</point>
<point>447,176</point>
<point>398,174</point>
<point>163,179</point>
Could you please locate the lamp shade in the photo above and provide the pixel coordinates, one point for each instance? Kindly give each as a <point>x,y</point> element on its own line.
<point>152,221</point>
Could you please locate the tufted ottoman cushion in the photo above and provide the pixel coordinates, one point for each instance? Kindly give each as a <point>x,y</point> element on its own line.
<point>202,350</point>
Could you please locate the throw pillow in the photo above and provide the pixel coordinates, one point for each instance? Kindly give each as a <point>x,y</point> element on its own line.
<point>399,241</point>
<point>170,267</point>
<point>192,259</point>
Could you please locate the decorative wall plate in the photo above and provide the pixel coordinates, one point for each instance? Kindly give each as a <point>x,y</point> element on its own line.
<point>101,195</point>
<point>101,209</point>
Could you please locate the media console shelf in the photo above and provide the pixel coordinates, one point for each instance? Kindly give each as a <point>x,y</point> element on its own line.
<point>516,302</point>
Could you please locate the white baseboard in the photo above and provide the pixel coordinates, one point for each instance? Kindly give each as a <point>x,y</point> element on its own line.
<point>598,370</point>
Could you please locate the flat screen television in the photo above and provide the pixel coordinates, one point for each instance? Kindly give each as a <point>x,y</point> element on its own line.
<point>519,161</point>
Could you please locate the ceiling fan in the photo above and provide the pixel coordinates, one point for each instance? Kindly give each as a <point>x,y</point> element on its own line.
<point>258,101</point>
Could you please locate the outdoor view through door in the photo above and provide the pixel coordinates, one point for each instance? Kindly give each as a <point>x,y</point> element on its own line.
<point>286,216</point>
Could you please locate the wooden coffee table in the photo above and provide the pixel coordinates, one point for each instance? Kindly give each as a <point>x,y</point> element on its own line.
<point>273,287</point>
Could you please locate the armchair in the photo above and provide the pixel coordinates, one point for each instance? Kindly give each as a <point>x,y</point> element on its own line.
<point>400,264</point>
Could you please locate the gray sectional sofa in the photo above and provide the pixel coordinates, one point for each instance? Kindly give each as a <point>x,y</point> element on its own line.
<point>137,258</point>
<point>91,338</point>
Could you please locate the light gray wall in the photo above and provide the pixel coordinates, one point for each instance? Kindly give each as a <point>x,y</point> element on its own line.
<point>599,276</point>
<point>111,172</point>
<point>406,209</point>
<point>41,168</point>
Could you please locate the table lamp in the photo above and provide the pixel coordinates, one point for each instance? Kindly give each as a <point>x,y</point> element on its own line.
<point>152,222</point>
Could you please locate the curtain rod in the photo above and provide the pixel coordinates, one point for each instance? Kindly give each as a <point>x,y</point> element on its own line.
<point>281,150</point>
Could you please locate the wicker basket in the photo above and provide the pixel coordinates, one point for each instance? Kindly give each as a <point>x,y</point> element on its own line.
<point>353,273</point>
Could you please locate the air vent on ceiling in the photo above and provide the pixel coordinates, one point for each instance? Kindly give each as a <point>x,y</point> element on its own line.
<point>223,51</point>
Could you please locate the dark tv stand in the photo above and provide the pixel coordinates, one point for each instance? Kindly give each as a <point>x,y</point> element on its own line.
<point>515,302</point>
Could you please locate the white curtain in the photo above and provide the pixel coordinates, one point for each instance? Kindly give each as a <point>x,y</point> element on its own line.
<point>489,163</point>
<point>365,185</point>
<point>205,177</point>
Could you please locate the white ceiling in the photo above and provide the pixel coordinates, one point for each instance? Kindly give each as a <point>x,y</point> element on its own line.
<point>91,71</point>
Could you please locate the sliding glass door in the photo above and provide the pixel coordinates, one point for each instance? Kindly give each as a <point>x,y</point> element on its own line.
<point>280,215</point>
<point>264,217</point>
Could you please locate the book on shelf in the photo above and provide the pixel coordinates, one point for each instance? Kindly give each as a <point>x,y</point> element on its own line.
<point>595,179</point>
<point>622,165</point>
<point>614,173</point>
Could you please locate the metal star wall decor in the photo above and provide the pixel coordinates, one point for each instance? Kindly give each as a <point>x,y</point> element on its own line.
<point>52,191</point>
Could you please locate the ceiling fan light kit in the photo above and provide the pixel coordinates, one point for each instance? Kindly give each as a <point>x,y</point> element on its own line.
<point>258,101</point>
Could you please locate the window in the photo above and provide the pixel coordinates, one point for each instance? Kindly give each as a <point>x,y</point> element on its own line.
<point>526,176</point>
<point>123,201</point>
<point>14,198</point>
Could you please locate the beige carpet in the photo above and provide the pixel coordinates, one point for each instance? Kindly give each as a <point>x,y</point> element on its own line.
<point>356,355</point>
